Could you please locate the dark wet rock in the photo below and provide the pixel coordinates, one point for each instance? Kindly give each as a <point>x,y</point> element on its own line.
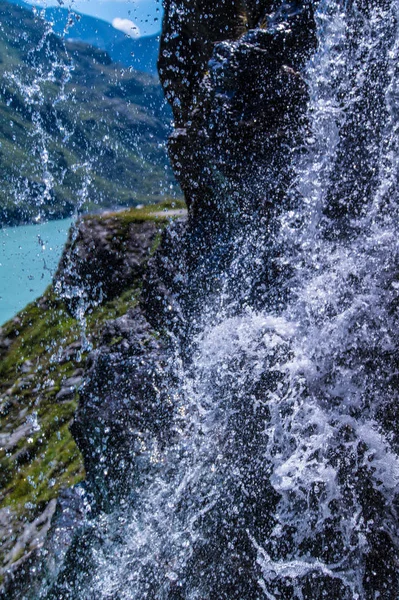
<point>165,281</point>
<point>5,343</point>
<point>104,255</point>
<point>190,30</point>
<point>66,525</point>
<point>234,75</point>
<point>236,91</point>
<point>66,393</point>
<point>364,121</point>
<point>125,396</point>
<point>70,352</point>
<point>27,366</point>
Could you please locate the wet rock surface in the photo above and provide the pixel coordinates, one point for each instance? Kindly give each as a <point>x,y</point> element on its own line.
<point>234,74</point>
<point>125,395</point>
<point>241,94</point>
<point>48,539</point>
<point>104,256</point>
<point>25,546</point>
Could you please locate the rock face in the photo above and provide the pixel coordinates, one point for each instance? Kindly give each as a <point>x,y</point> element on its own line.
<point>232,72</point>
<point>103,257</point>
<point>51,536</point>
<point>125,394</point>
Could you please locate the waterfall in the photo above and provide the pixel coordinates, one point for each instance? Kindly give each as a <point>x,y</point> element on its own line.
<point>280,475</point>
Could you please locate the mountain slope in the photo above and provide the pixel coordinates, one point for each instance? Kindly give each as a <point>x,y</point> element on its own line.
<point>75,128</point>
<point>141,54</point>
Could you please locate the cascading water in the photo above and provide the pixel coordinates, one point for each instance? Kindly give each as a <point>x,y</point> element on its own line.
<point>279,476</point>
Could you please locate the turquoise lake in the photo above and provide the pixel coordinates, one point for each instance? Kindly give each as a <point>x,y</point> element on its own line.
<point>29,256</point>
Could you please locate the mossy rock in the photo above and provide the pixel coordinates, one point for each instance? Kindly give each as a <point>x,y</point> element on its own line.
<point>43,355</point>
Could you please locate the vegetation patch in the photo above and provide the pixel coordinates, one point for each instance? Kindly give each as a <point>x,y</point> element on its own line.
<point>160,212</point>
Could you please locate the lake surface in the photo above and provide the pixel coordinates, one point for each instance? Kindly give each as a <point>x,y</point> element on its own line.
<point>29,256</point>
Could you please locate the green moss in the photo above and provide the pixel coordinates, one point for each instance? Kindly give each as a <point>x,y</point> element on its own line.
<point>58,464</point>
<point>46,458</point>
<point>160,212</point>
<point>38,465</point>
<point>111,310</point>
<point>37,334</point>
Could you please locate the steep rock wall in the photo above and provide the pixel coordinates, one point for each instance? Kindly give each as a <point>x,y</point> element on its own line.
<point>232,72</point>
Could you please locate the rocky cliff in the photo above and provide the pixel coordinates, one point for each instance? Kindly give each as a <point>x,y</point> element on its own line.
<point>44,354</point>
<point>232,73</point>
<point>210,427</point>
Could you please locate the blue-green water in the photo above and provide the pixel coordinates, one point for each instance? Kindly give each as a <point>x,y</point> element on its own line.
<point>29,256</point>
